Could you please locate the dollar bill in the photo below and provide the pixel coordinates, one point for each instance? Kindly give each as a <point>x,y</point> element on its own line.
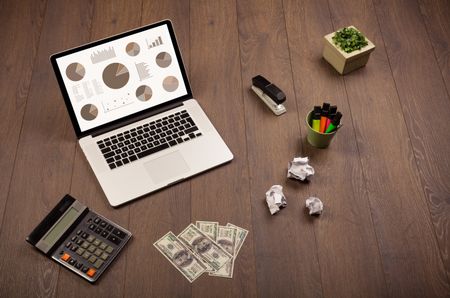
<point>208,227</point>
<point>226,238</point>
<point>240,238</point>
<point>180,256</point>
<point>201,244</point>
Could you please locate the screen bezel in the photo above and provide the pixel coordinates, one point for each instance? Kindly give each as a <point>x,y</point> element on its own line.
<point>126,119</point>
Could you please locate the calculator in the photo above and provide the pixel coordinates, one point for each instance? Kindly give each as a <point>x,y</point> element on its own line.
<point>79,239</point>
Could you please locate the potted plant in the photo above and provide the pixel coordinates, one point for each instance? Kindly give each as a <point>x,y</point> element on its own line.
<point>347,49</point>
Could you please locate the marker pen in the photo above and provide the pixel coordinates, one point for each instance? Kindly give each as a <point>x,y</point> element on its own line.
<point>323,117</point>
<point>333,110</point>
<point>316,118</point>
<point>334,123</point>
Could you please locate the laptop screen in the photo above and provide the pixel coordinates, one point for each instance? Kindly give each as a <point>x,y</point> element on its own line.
<point>120,76</point>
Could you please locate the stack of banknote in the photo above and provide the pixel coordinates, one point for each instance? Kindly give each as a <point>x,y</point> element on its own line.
<point>203,247</point>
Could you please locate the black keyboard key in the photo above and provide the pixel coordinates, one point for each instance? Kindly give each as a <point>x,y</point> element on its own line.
<point>163,134</point>
<point>118,151</point>
<point>179,140</point>
<point>157,137</point>
<point>152,150</point>
<point>152,133</point>
<point>175,129</point>
<point>145,125</point>
<point>165,122</point>
<point>92,227</point>
<point>146,135</point>
<point>146,129</point>
<point>112,166</point>
<point>137,144</point>
<point>172,143</point>
<point>114,141</point>
<point>177,118</point>
<point>159,124</point>
<point>171,120</point>
<point>133,158</point>
<point>101,146</point>
<point>152,127</point>
<point>156,143</point>
<point>114,239</point>
<point>198,134</point>
<point>124,155</point>
<point>109,228</point>
<point>84,235</point>
<point>120,145</point>
<point>119,163</point>
<point>144,142</point>
<point>192,135</point>
<point>192,129</point>
<point>108,143</point>
<point>169,138</point>
<point>105,150</point>
<point>130,152</point>
<point>131,147</point>
<point>158,130</point>
<point>85,269</point>
<point>171,126</point>
<point>110,160</point>
<point>184,115</point>
<point>98,230</point>
<point>121,139</point>
<point>117,157</point>
<point>127,136</point>
<point>151,139</point>
<point>183,121</point>
<point>114,147</point>
<point>125,161</point>
<point>137,150</point>
<point>187,125</point>
<point>143,147</point>
<point>109,154</point>
<point>104,234</point>
<point>127,142</point>
<point>103,224</point>
<point>133,129</point>
<point>119,233</point>
<point>133,140</point>
<point>139,137</point>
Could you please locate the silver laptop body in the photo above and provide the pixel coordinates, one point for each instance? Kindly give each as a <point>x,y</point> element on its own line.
<point>131,105</point>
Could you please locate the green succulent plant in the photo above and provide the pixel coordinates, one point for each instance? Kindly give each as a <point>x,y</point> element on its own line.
<point>349,39</point>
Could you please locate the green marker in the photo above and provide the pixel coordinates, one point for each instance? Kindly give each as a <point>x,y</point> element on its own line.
<point>334,123</point>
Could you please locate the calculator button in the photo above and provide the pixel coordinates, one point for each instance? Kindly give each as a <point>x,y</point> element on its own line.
<point>96,242</point>
<point>103,245</point>
<point>91,272</point>
<point>92,259</point>
<point>85,269</point>
<point>84,235</point>
<point>103,224</point>
<point>79,232</point>
<point>92,248</point>
<point>90,238</point>
<point>86,255</point>
<point>74,248</point>
<point>68,244</point>
<point>98,263</point>
<point>114,239</point>
<point>119,233</point>
<point>98,252</point>
<point>85,244</point>
<point>72,262</point>
<point>98,230</point>
<point>109,249</point>
<point>104,234</point>
<point>80,251</point>
<point>92,227</point>
<point>104,256</point>
<point>78,265</point>
<point>65,257</point>
<point>74,238</point>
<point>109,228</point>
<point>79,242</point>
<point>97,220</point>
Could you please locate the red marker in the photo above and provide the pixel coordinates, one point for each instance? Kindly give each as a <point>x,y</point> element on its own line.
<point>333,110</point>
<point>324,115</point>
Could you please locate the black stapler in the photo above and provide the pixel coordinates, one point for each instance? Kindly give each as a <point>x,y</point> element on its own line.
<point>270,94</point>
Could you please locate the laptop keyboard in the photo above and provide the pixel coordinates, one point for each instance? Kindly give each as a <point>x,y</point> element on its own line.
<point>147,139</point>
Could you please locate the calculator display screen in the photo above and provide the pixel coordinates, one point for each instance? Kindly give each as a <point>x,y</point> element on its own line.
<point>60,227</point>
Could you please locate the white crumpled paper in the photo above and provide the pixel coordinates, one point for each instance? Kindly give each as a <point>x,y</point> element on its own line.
<point>314,205</point>
<point>275,199</point>
<point>299,168</point>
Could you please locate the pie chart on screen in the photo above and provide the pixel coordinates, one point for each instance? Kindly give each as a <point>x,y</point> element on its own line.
<point>163,59</point>
<point>115,75</point>
<point>75,71</point>
<point>144,93</point>
<point>89,112</point>
<point>170,83</point>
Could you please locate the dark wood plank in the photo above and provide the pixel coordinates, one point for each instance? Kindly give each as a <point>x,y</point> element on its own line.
<point>435,173</point>
<point>44,159</point>
<point>410,254</point>
<point>19,52</point>
<point>168,210</point>
<point>108,18</point>
<point>223,194</point>
<point>285,250</point>
<point>346,241</point>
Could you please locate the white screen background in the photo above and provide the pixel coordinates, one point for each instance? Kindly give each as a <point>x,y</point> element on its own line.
<point>95,103</point>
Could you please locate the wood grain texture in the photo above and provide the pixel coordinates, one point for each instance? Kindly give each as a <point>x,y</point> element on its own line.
<point>410,254</point>
<point>384,179</point>
<point>338,181</point>
<point>216,83</point>
<point>19,53</point>
<point>44,163</point>
<point>148,272</point>
<point>285,250</point>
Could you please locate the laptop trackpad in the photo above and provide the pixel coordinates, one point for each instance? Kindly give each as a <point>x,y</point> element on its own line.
<point>166,167</point>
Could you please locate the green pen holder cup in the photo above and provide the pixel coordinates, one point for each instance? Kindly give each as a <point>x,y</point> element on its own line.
<point>315,138</point>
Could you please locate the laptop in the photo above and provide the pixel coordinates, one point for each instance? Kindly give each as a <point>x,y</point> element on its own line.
<point>132,109</point>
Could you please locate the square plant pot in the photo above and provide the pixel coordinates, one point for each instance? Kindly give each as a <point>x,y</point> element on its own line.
<point>346,62</point>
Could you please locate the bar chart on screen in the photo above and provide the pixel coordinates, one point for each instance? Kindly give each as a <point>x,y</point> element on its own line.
<point>155,43</point>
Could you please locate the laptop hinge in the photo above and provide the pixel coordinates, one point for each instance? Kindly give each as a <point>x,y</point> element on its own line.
<point>137,118</point>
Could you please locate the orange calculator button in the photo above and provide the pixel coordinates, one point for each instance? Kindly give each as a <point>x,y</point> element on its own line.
<point>65,257</point>
<point>91,272</point>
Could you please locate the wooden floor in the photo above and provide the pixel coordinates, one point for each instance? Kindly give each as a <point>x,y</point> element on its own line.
<point>385,180</point>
